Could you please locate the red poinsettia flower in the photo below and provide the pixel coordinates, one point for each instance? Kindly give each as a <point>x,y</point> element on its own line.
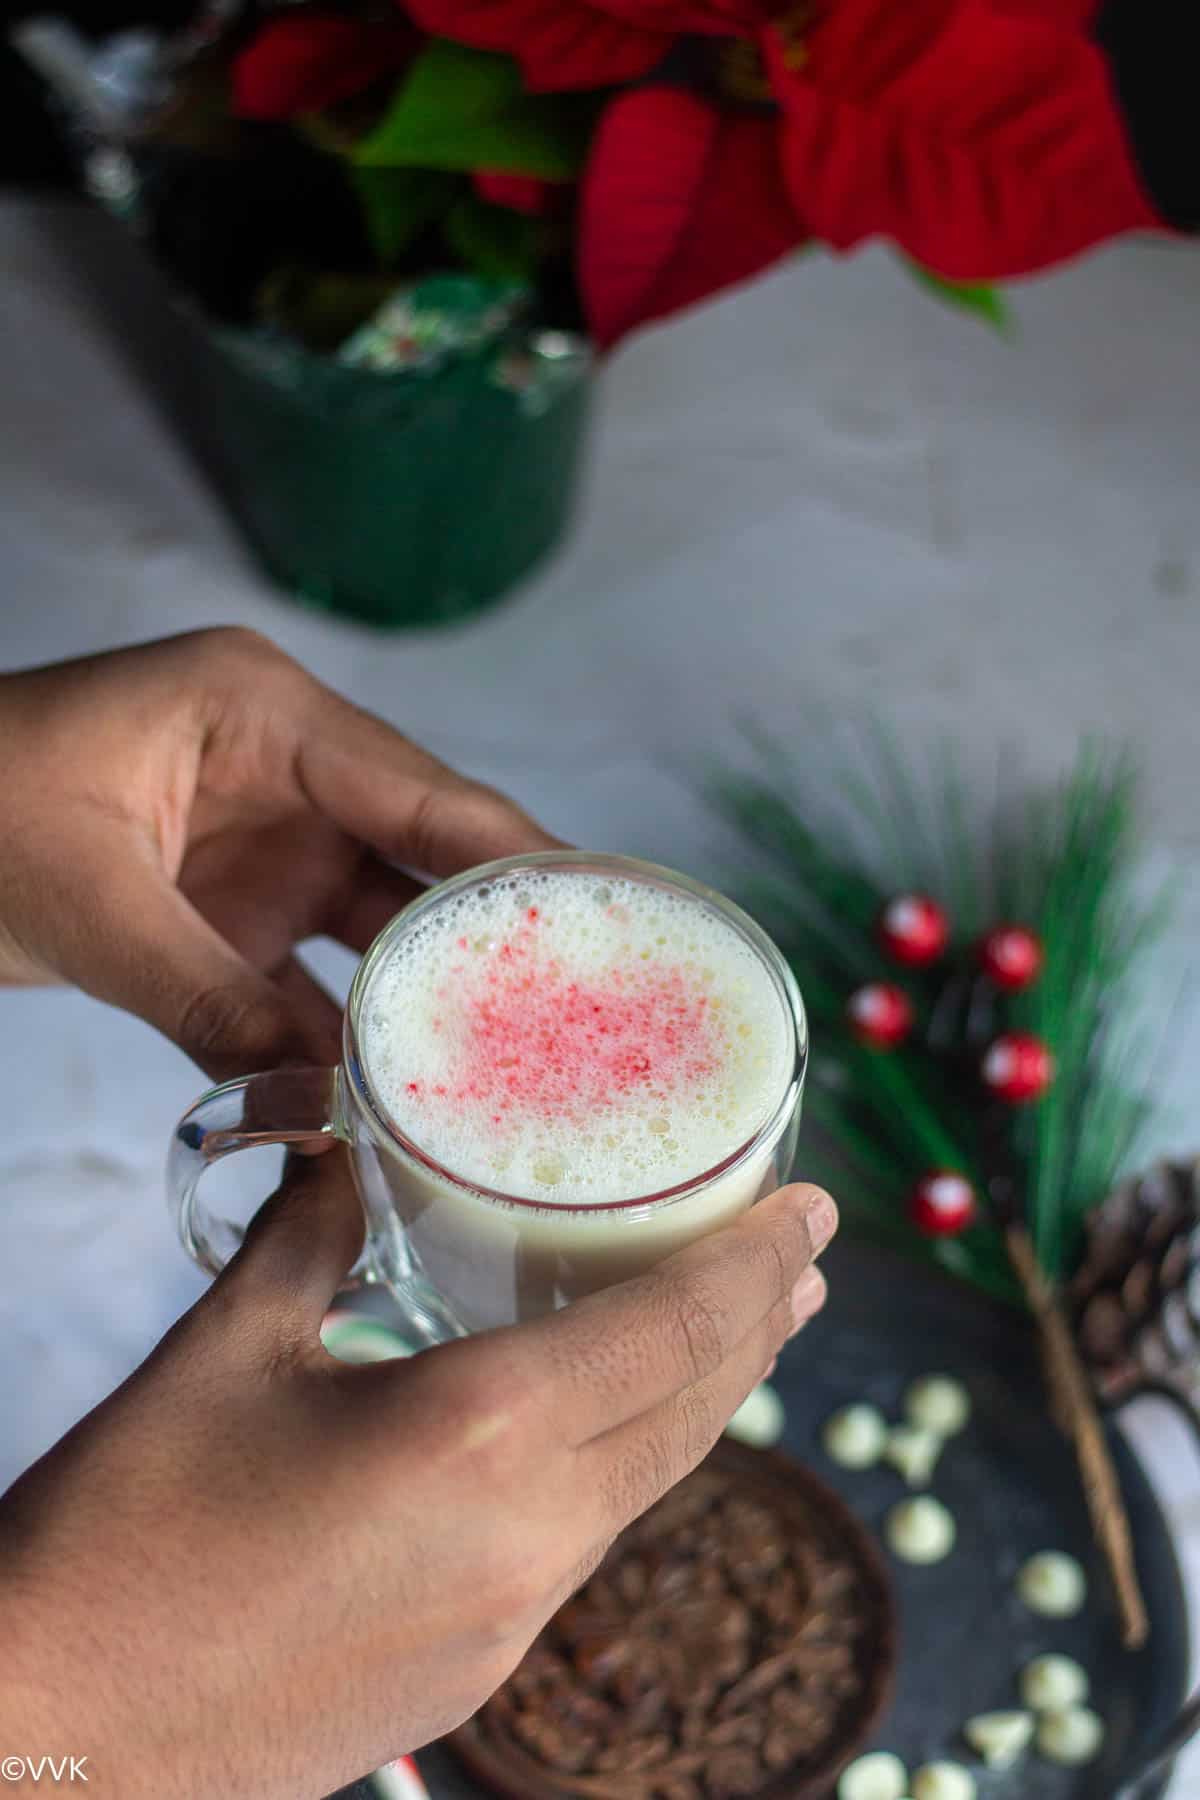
<point>680,199</point>
<point>305,61</point>
<point>519,193</point>
<point>563,44</point>
<point>984,137</point>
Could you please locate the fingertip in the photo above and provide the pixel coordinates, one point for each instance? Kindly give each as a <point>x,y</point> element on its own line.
<point>462,824</point>
<point>821,1217</point>
<point>814,1208</point>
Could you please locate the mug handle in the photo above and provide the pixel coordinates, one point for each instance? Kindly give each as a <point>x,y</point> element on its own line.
<point>282,1106</point>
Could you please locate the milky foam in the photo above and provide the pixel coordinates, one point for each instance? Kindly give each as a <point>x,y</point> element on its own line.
<point>570,1037</point>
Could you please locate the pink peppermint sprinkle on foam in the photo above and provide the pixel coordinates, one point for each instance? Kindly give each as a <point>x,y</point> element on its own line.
<point>583,1035</point>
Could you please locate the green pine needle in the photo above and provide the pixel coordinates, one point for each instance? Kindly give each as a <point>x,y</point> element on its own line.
<point>818,873</point>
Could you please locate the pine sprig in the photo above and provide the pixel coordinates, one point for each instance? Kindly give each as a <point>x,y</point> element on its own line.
<point>819,872</point>
<point>1094,931</point>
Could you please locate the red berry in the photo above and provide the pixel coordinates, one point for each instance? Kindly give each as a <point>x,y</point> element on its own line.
<point>1018,1067</point>
<point>942,1204</point>
<point>913,929</point>
<point>880,1015</point>
<point>1011,956</point>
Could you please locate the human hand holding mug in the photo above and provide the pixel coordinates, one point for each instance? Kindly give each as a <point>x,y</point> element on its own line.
<point>178,816</point>
<point>256,1571</point>
<point>253,1570</point>
<point>557,1069</point>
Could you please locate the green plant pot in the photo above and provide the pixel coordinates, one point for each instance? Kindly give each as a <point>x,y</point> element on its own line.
<point>400,500</point>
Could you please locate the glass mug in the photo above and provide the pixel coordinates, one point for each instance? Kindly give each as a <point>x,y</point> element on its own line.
<point>459,1257</point>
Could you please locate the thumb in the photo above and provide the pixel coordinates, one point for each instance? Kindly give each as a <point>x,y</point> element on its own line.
<point>299,1245</point>
<point>133,940</point>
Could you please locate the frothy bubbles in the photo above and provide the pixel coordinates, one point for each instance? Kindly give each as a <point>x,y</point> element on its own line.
<point>570,1037</point>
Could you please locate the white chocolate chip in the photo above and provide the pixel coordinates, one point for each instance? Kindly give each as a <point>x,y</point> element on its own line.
<point>999,1737</point>
<point>939,1404</point>
<point>921,1530</point>
<point>1053,1584</point>
<point>1072,1736</point>
<point>1053,1684</point>
<point>759,1419</point>
<point>879,1776</point>
<point>943,1781</point>
<point>856,1437</point>
<point>914,1453</point>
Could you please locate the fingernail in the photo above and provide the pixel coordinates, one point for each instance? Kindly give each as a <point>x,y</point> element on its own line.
<point>808,1297</point>
<point>822,1221</point>
<point>770,1368</point>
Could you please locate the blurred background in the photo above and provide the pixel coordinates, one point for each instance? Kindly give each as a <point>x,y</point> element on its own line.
<point>814,498</point>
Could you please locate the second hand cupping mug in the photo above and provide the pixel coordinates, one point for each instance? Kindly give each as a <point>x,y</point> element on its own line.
<point>460,1255</point>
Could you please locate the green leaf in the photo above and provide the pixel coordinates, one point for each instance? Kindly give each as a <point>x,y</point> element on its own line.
<point>492,240</point>
<point>980,298</point>
<point>465,109</point>
<point>399,203</point>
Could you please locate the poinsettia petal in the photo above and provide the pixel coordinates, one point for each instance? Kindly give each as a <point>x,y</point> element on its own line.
<point>719,18</point>
<point>1073,14</point>
<point>986,143</point>
<point>678,201</point>
<point>307,61</point>
<point>519,193</point>
<point>564,44</point>
<point>558,48</point>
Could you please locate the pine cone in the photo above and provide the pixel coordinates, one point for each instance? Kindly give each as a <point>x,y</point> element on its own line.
<point>1135,1301</point>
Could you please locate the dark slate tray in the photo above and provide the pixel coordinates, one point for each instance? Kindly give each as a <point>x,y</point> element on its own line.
<point>1011,1484</point>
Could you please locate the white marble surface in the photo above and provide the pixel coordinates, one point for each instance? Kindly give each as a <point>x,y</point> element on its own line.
<point>823,490</point>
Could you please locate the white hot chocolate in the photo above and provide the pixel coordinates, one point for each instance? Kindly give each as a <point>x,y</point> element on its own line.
<point>573,1042</point>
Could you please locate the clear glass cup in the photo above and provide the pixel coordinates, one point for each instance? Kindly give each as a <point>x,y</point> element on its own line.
<point>459,1257</point>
